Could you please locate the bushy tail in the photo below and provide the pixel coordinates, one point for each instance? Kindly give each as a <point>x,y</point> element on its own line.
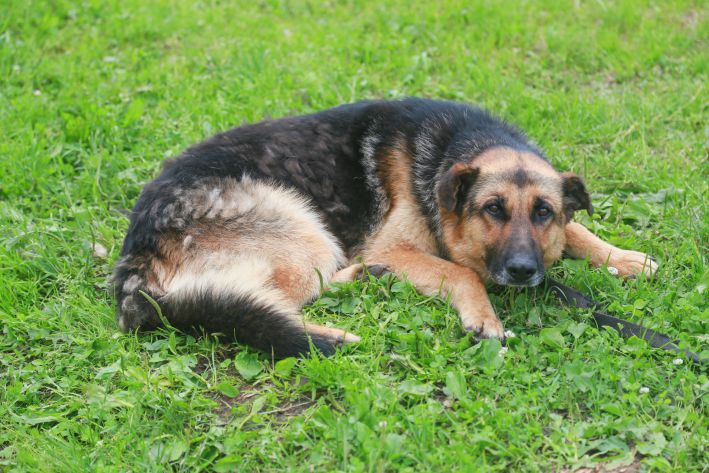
<point>242,318</point>
<point>247,320</point>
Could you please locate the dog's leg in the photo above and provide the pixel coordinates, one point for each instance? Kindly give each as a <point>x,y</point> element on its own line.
<point>431,275</point>
<point>581,243</point>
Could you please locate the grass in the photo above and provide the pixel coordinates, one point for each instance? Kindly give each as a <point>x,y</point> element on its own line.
<point>93,96</point>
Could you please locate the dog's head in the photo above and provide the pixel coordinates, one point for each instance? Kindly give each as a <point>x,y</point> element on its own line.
<point>503,214</point>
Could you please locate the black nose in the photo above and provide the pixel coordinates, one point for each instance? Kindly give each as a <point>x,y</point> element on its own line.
<point>521,268</point>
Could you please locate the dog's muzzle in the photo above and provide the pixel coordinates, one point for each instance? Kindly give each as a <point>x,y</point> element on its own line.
<point>520,270</point>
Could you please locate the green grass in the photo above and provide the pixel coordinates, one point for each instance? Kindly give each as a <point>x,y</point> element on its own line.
<point>93,96</point>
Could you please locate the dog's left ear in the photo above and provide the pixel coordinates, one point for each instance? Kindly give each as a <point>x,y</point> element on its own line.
<point>575,195</point>
<point>454,186</point>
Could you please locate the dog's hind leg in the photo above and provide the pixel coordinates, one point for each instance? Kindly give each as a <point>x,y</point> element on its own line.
<point>581,244</point>
<point>243,268</point>
<point>336,336</point>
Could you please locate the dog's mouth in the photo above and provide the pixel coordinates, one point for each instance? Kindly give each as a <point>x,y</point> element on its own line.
<point>503,278</point>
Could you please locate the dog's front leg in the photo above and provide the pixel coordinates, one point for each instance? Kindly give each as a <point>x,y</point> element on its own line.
<point>581,243</point>
<point>431,275</point>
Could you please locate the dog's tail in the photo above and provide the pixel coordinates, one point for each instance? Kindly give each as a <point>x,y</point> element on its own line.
<point>251,320</point>
<point>255,317</point>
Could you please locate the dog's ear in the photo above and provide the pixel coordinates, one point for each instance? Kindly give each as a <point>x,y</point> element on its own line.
<point>575,195</point>
<point>454,186</point>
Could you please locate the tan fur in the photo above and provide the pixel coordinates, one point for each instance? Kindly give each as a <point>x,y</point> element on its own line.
<point>404,222</point>
<point>338,335</point>
<point>286,254</point>
<point>581,243</point>
<point>348,273</point>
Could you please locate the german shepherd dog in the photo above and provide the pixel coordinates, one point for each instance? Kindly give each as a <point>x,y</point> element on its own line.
<point>236,234</point>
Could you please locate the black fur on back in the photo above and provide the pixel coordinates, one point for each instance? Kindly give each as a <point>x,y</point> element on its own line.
<point>315,154</point>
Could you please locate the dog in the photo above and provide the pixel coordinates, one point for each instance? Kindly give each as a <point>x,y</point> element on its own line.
<point>237,234</point>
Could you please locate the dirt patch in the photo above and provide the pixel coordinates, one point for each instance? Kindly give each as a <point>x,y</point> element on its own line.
<point>602,468</point>
<point>291,409</point>
<point>248,393</point>
<point>223,409</point>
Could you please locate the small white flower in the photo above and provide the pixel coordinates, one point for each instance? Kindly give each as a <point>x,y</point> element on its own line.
<point>37,92</point>
<point>677,361</point>
<point>644,390</point>
<point>502,351</point>
<point>613,271</point>
<point>16,67</point>
<point>509,334</point>
<point>382,424</point>
<point>100,251</point>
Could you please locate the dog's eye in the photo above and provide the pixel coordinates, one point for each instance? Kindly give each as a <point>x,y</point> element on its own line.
<point>493,209</point>
<point>544,212</point>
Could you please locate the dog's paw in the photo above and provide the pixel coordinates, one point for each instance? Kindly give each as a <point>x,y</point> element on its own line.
<point>483,326</point>
<point>334,336</point>
<point>359,271</point>
<point>376,270</point>
<point>627,264</point>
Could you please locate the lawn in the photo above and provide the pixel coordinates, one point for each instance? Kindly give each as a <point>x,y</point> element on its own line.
<point>95,94</point>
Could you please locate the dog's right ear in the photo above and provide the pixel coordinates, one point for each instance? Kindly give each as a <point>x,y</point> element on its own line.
<point>455,185</point>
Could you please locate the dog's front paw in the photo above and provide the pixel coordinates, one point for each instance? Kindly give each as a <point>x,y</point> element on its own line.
<point>627,264</point>
<point>483,325</point>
